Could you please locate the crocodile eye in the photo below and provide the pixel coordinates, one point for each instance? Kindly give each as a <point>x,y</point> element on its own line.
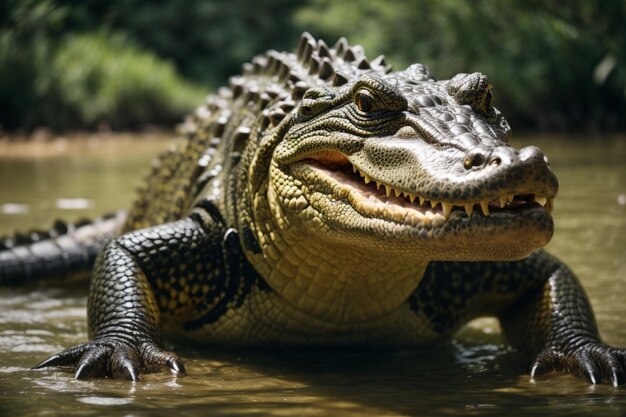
<point>364,101</point>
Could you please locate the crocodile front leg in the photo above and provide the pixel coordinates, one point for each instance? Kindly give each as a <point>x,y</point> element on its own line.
<point>137,280</point>
<point>555,322</point>
<point>542,308</point>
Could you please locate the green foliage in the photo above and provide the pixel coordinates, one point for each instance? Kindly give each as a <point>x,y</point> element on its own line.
<point>104,78</point>
<point>26,47</point>
<point>559,64</point>
<point>54,73</point>
<point>208,40</point>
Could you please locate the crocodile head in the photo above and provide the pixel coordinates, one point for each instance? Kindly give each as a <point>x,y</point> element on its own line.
<point>405,164</point>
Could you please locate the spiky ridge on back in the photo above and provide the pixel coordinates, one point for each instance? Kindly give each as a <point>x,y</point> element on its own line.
<point>274,82</point>
<point>271,87</point>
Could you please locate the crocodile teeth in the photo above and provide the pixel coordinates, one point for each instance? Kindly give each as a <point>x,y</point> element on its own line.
<point>484,205</point>
<point>447,207</point>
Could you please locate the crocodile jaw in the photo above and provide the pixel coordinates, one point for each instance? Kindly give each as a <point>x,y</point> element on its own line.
<point>338,203</point>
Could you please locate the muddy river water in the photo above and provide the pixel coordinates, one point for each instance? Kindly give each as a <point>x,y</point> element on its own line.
<point>476,374</point>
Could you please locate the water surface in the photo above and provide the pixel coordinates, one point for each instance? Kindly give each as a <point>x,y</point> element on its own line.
<point>477,374</point>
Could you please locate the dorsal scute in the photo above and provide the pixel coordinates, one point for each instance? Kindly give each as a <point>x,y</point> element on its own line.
<point>313,64</point>
<point>323,62</point>
<point>271,79</point>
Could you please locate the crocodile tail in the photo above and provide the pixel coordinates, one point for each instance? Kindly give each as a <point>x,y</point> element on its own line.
<point>67,251</point>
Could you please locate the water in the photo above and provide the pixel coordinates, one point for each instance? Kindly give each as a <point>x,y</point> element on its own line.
<point>477,374</point>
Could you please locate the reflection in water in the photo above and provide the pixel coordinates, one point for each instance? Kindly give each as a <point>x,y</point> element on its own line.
<point>13,208</point>
<point>477,374</point>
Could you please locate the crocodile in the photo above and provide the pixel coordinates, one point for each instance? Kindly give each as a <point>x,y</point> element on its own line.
<point>323,199</point>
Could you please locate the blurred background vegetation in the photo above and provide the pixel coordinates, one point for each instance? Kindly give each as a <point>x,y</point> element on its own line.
<point>124,64</point>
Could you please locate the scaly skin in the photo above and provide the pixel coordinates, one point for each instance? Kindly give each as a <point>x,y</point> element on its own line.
<point>324,200</point>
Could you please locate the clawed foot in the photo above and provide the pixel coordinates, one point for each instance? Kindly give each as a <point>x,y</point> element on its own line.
<point>595,362</point>
<point>115,359</point>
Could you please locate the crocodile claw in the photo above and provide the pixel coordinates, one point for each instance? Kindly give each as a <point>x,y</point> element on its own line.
<point>111,358</point>
<point>595,362</point>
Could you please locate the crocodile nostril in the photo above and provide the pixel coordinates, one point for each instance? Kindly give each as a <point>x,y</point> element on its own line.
<point>473,159</point>
<point>495,161</point>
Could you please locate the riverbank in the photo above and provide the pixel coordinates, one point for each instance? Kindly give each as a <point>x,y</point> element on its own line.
<point>44,143</point>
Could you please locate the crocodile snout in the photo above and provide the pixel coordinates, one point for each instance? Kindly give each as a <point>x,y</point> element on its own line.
<point>527,167</point>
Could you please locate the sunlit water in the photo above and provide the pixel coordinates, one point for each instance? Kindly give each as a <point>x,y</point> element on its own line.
<point>477,374</point>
